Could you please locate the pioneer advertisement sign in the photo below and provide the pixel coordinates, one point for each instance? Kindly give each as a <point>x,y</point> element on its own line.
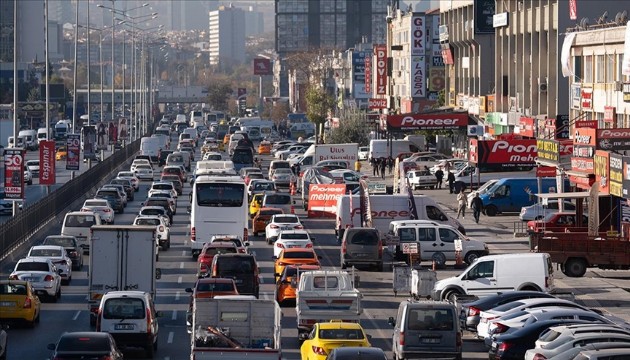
<point>502,153</point>
<point>322,199</point>
<point>613,139</point>
<point>615,172</point>
<point>428,121</point>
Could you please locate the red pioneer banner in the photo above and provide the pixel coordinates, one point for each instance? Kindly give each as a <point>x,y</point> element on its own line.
<point>613,139</point>
<point>381,68</point>
<point>47,162</point>
<point>14,173</point>
<point>507,153</point>
<point>322,199</point>
<point>428,121</point>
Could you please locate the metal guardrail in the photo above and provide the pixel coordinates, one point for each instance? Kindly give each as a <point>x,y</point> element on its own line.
<point>20,227</point>
<point>520,229</point>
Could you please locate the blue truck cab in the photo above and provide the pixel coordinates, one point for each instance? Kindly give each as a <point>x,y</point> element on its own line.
<point>509,195</point>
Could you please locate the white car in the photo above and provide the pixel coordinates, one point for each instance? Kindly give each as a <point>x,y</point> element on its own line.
<point>101,207</point>
<point>163,186</point>
<point>283,177</point>
<point>138,162</point>
<point>211,155</point>
<point>280,222</point>
<point>539,212</point>
<point>156,211</point>
<point>162,230</point>
<point>33,167</point>
<point>288,239</point>
<point>167,195</point>
<point>58,255</point>
<point>43,275</point>
<point>28,177</point>
<point>129,175</point>
<point>144,172</point>
<point>364,152</point>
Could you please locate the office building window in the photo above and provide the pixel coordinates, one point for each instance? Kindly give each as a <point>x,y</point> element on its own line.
<point>588,69</point>
<point>618,66</point>
<point>577,69</point>
<point>600,67</point>
<point>327,6</point>
<point>292,6</point>
<point>610,68</point>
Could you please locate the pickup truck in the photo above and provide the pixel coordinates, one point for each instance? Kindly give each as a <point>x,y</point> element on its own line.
<point>235,327</point>
<point>558,222</point>
<point>575,252</point>
<point>324,295</point>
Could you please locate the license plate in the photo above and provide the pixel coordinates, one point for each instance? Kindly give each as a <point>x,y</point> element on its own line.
<point>7,303</point>
<point>494,345</point>
<point>238,281</point>
<point>430,340</point>
<point>31,279</point>
<point>294,246</point>
<point>285,228</point>
<point>123,327</point>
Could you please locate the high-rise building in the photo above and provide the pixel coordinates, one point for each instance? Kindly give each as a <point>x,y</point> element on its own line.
<point>303,25</point>
<point>226,36</point>
<point>30,30</point>
<point>254,22</point>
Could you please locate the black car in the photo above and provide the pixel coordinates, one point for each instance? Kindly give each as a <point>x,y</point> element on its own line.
<point>129,190</point>
<point>86,345</point>
<point>469,315</point>
<point>69,243</point>
<point>162,157</point>
<point>514,345</point>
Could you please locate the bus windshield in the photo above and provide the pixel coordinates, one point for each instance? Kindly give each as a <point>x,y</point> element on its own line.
<point>220,194</point>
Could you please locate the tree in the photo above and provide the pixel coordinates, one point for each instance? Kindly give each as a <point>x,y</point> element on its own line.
<point>33,95</point>
<point>441,100</point>
<point>218,94</point>
<point>318,105</point>
<point>279,111</point>
<point>352,128</point>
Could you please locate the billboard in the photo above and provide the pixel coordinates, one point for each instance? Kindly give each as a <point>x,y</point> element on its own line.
<point>613,139</point>
<point>102,140</point>
<point>14,173</point>
<point>368,73</point>
<point>600,163</point>
<point>123,131</point>
<point>112,132</point>
<point>358,74</point>
<point>483,15</point>
<point>615,172</point>
<point>418,65</point>
<point>437,76</point>
<point>262,67</point>
<point>88,140</point>
<point>381,68</point>
<point>322,199</point>
<point>73,144</point>
<point>47,162</point>
<point>503,153</point>
<point>428,121</point>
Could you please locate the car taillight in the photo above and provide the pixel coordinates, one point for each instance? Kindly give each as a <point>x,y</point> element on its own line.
<point>309,245</point>
<point>539,357</point>
<point>27,303</point>
<point>279,245</point>
<point>106,210</point>
<point>380,249</point>
<point>458,339</point>
<point>343,247</point>
<point>193,233</point>
<point>274,226</point>
<point>292,210</point>
<point>401,339</point>
<point>49,278</point>
<point>13,277</point>
<point>299,227</point>
<point>499,328</point>
<point>319,350</point>
<point>149,330</point>
<point>98,320</point>
<point>473,311</point>
<point>504,346</point>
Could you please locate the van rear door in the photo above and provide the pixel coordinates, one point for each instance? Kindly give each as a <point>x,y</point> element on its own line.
<point>432,330</point>
<point>241,269</point>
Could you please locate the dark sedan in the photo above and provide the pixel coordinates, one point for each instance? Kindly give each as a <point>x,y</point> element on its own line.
<point>86,345</point>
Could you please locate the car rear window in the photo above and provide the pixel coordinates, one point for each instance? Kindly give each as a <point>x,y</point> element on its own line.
<point>162,186</point>
<point>128,308</point>
<point>45,252</point>
<point>108,193</point>
<point>285,219</point>
<point>268,213</point>
<point>349,334</point>
<point>156,202</point>
<point>32,266</point>
<point>12,289</point>
<point>299,255</point>
<point>80,221</point>
<point>277,199</point>
<point>301,236</point>
<point>363,238</point>
<point>220,250</point>
<point>148,222</point>
<point>263,186</point>
<point>280,165</point>
<point>215,286</point>
<point>235,265</point>
<point>65,242</point>
<point>430,319</point>
<point>152,212</point>
<point>83,343</point>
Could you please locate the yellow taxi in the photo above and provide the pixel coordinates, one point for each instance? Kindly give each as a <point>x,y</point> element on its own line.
<point>19,302</point>
<point>61,153</point>
<point>285,290</point>
<point>226,139</point>
<point>255,204</point>
<point>262,217</point>
<point>327,336</point>
<point>264,148</point>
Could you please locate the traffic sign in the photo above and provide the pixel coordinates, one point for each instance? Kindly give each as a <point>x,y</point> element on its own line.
<point>392,240</point>
<point>409,248</point>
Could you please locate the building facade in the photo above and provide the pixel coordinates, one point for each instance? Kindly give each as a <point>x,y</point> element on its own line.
<point>227,36</point>
<point>30,30</point>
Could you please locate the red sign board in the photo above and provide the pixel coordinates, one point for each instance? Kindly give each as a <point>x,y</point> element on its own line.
<point>503,152</point>
<point>584,137</point>
<point>322,199</point>
<point>527,126</point>
<point>47,162</point>
<point>428,121</point>
<point>613,139</point>
<point>377,103</point>
<point>381,69</point>
<point>584,165</point>
<point>262,67</point>
<point>582,182</point>
<point>14,173</point>
<point>572,9</point>
<point>600,162</point>
<point>368,73</point>
<point>587,98</point>
<point>447,57</point>
<point>609,114</point>
<point>545,171</point>
<point>586,124</point>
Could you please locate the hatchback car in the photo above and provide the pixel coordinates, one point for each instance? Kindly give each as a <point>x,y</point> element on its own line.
<point>18,302</point>
<point>176,181</point>
<point>283,177</point>
<point>156,211</point>
<point>57,254</point>
<point>331,335</point>
<point>42,274</point>
<point>162,230</point>
<point>144,172</point>
<point>127,187</point>
<point>71,246</point>
<point>163,186</point>
<point>101,207</point>
<point>131,176</point>
<point>83,345</point>
<point>279,223</point>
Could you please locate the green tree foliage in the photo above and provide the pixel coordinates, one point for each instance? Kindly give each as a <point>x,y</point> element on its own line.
<point>318,105</point>
<point>33,95</point>
<point>353,128</point>
<point>218,95</point>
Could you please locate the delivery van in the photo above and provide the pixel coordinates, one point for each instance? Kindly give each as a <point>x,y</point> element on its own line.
<point>381,148</point>
<point>388,208</point>
<point>509,195</point>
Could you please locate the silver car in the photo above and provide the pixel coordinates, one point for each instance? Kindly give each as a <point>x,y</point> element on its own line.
<point>283,177</point>
<point>101,207</point>
<point>57,254</point>
<point>538,211</point>
<point>43,275</point>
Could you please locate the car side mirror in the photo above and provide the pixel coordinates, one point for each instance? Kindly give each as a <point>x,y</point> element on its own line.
<point>391,321</point>
<point>51,347</point>
<point>158,273</point>
<point>189,290</point>
<point>303,336</point>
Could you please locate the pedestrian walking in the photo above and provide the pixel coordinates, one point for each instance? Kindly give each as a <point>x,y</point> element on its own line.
<point>357,166</point>
<point>439,175</point>
<point>451,182</point>
<point>462,203</point>
<point>374,163</point>
<point>476,204</point>
<point>383,164</point>
<point>390,164</point>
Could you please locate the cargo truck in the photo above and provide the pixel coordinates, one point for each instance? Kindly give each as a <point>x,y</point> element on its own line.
<point>122,257</point>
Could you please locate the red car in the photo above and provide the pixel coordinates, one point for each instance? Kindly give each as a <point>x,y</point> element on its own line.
<point>558,222</point>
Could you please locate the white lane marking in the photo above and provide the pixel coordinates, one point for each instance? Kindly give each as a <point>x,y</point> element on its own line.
<point>170,338</point>
<point>177,296</point>
<point>167,358</point>
<point>76,316</point>
<point>183,252</point>
<point>174,316</point>
<point>179,280</point>
<point>181,265</point>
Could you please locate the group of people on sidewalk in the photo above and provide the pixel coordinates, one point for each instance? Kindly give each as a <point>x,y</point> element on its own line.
<point>450,179</point>
<point>379,165</point>
<point>462,203</point>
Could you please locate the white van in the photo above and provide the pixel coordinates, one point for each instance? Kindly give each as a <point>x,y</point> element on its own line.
<point>494,274</point>
<point>30,137</point>
<point>388,208</point>
<point>234,139</point>
<point>42,134</point>
<point>381,148</point>
<point>151,146</point>
<point>436,241</point>
<point>78,224</point>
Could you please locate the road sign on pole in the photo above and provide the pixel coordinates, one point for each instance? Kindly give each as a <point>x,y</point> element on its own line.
<point>409,248</point>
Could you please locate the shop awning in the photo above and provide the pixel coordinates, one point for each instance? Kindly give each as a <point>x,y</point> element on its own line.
<point>569,195</point>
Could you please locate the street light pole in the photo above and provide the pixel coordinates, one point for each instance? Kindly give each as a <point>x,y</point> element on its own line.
<point>47,72</point>
<point>74,75</point>
<point>113,64</point>
<point>89,65</point>
<point>123,74</point>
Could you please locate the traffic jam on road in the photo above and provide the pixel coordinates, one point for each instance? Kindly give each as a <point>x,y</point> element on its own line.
<point>221,240</point>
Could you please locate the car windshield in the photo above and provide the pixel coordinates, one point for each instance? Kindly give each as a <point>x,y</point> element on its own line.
<point>286,219</point>
<point>127,308</point>
<point>346,334</point>
<point>148,222</point>
<point>143,167</point>
<point>83,343</point>
<point>32,266</point>
<point>12,289</point>
<point>282,171</point>
<point>80,221</point>
<point>108,193</point>
<point>299,255</point>
<point>45,252</point>
<point>295,236</point>
<point>242,157</point>
<point>61,241</point>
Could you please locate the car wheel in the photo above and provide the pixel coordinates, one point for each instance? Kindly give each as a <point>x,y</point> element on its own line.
<point>439,258</point>
<point>574,267</point>
<point>150,351</point>
<point>471,257</point>
<point>451,295</point>
<point>491,210</point>
<point>344,265</point>
<point>155,344</point>
<point>4,355</point>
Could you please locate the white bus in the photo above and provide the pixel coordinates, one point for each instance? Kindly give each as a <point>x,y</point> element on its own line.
<point>218,207</point>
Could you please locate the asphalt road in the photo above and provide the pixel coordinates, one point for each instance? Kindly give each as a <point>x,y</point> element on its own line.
<point>601,289</point>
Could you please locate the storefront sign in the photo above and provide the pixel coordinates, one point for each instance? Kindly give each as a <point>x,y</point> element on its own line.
<point>428,121</point>
<point>613,139</point>
<point>418,76</point>
<point>526,127</point>
<point>14,173</point>
<point>584,165</point>
<point>374,103</point>
<point>322,198</point>
<point>626,177</point>
<point>562,127</point>
<point>447,56</point>
<point>609,114</point>
<point>600,162</point>
<point>582,182</point>
<point>615,169</point>
<point>576,93</point>
<point>585,137</point>
<point>381,69</point>
<point>73,144</point>
<point>626,92</point>
<point>586,124</point>
<point>47,162</point>
<point>368,73</point>
<point>500,20</point>
<point>545,171</point>
<point>548,150</point>
<point>506,153</point>
<point>587,98</point>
